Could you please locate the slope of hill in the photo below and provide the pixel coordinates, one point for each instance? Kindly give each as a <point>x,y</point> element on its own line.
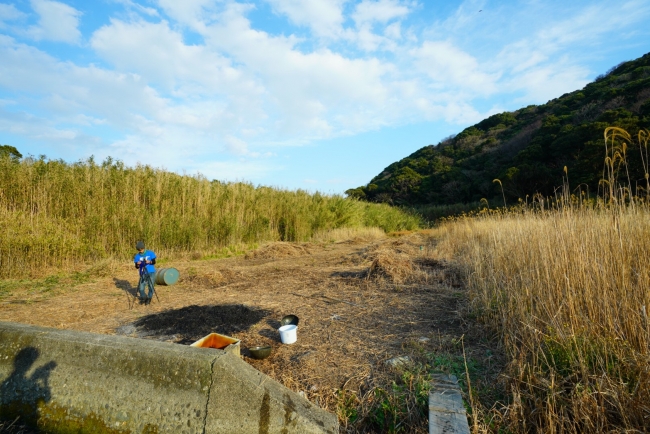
<point>526,149</point>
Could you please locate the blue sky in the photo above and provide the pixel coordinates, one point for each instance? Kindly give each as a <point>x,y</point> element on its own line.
<point>312,94</point>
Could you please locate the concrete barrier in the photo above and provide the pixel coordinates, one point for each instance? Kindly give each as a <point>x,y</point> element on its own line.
<point>446,410</point>
<point>65,381</point>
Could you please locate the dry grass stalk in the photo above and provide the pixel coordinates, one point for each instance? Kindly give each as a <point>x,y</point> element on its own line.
<point>14,427</point>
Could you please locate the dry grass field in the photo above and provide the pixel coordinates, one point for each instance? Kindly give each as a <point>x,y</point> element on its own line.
<point>362,301</point>
<point>568,292</point>
<point>545,313</point>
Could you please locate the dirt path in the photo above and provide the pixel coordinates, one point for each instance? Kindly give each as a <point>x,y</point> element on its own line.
<point>350,323</point>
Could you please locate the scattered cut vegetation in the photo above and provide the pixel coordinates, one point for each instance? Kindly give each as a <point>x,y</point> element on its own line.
<point>395,266</point>
<point>351,323</point>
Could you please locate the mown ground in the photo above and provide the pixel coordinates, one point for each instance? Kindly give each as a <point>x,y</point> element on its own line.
<point>360,302</point>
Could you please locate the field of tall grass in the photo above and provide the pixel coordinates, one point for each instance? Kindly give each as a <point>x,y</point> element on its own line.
<point>567,289</point>
<point>569,294</point>
<point>57,214</point>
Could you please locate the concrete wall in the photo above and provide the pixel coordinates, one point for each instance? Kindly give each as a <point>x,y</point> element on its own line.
<point>64,381</point>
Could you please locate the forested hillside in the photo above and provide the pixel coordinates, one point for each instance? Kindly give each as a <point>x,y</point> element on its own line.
<point>526,150</point>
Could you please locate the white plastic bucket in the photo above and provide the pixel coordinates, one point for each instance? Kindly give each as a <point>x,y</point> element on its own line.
<point>288,333</point>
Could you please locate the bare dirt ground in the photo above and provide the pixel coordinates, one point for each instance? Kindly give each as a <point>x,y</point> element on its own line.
<point>360,303</point>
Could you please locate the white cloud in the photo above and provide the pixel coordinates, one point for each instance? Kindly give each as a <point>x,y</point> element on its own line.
<point>324,17</point>
<point>467,15</point>
<point>535,65</point>
<point>372,31</point>
<point>236,146</point>
<point>382,11</point>
<point>393,31</point>
<point>71,88</point>
<point>587,24</point>
<point>543,81</point>
<point>157,130</point>
<point>131,5</point>
<point>241,92</point>
<point>305,87</point>
<point>43,129</point>
<point>57,22</point>
<point>214,99</point>
<point>447,66</point>
<point>192,13</point>
<point>159,54</point>
<point>64,90</point>
<point>10,13</point>
<point>238,170</point>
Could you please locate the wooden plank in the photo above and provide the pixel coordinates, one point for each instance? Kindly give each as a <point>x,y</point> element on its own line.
<point>446,410</point>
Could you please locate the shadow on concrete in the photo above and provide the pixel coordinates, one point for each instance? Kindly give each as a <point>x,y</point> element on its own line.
<point>22,394</point>
<point>189,324</point>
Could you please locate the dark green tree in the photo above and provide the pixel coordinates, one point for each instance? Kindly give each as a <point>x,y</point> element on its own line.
<point>7,151</point>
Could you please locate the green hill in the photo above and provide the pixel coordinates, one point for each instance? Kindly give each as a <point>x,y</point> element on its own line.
<point>526,149</point>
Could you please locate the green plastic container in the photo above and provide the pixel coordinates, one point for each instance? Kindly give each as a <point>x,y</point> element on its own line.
<point>166,276</point>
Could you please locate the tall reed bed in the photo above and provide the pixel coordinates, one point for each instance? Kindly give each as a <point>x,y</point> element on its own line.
<point>568,290</point>
<point>54,213</point>
<point>569,293</point>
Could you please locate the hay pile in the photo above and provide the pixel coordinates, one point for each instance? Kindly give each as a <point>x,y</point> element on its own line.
<point>389,264</point>
<point>279,250</point>
<point>397,261</point>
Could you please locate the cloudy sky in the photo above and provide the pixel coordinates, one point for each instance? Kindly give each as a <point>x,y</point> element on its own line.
<point>312,94</point>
